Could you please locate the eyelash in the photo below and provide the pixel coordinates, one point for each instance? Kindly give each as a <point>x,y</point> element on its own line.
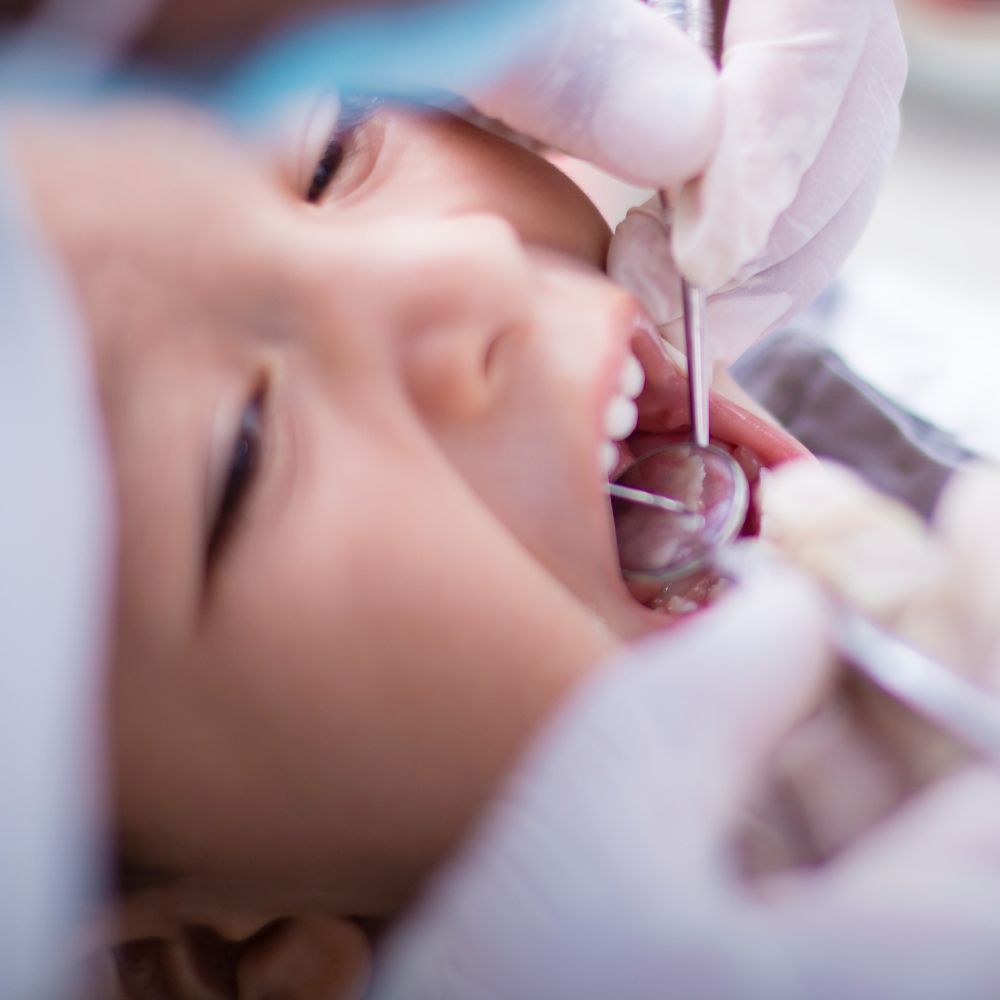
<point>354,112</point>
<point>244,466</point>
<point>326,169</point>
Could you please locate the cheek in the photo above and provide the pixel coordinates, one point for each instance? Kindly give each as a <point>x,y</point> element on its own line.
<point>411,594</point>
<point>400,657</point>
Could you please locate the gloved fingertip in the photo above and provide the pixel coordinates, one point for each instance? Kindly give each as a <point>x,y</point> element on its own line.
<point>707,252</point>
<point>723,220</point>
<point>640,260</point>
<point>772,648</point>
<point>657,120</point>
<point>783,602</point>
<point>765,642</point>
<point>731,684</point>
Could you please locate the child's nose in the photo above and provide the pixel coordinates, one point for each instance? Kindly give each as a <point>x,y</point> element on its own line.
<point>451,293</point>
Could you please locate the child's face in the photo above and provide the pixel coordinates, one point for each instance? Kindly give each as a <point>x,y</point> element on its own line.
<point>364,541</point>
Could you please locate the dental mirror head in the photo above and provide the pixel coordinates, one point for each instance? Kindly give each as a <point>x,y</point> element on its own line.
<point>674,507</point>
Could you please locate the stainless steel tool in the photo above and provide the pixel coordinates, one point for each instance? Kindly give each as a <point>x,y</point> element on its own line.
<point>704,485</point>
<point>699,23</point>
<point>968,714</point>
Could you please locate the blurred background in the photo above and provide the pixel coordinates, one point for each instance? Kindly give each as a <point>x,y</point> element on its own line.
<point>917,311</point>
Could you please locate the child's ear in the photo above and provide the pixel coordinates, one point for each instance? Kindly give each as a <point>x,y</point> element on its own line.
<point>313,958</point>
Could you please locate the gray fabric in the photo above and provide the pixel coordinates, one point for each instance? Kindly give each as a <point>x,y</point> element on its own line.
<point>836,414</point>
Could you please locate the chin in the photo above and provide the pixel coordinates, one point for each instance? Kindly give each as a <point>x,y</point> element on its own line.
<point>741,428</point>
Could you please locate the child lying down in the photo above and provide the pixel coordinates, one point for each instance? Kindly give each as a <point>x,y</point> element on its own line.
<point>362,400</point>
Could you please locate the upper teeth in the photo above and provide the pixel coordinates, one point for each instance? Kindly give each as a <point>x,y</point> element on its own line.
<point>621,413</point>
<point>633,377</point>
<point>620,418</point>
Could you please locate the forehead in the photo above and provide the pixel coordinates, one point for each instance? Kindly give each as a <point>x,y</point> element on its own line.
<point>144,203</point>
<point>136,156</point>
<point>166,225</point>
<point>163,222</point>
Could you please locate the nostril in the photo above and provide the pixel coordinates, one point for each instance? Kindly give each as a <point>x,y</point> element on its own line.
<point>493,357</point>
<point>453,372</point>
<point>469,294</point>
<point>489,358</point>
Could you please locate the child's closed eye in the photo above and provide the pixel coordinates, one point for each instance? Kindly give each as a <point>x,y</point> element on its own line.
<point>243,466</point>
<point>344,147</point>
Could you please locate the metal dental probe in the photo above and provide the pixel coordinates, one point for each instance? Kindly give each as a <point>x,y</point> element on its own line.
<point>655,500</point>
<point>700,28</point>
<point>956,706</point>
<point>699,24</point>
<point>717,494</point>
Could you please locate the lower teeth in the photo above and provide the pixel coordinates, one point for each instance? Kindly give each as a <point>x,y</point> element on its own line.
<point>681,597</point>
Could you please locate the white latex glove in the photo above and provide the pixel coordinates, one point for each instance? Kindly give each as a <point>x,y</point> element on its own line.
<point>810,91</point>
<point>612,82</point>
<point>604,871</point>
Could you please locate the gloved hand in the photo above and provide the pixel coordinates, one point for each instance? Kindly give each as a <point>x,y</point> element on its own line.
<point>792,138</point>
<point>612,82</point>
<point>605,869</point>
<point>810,91</point>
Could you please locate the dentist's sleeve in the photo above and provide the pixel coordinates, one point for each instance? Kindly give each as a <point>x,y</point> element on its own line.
<point>606,869</point>
<point>54,576</point>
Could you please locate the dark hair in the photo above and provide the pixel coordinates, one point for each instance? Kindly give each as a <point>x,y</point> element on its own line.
<point>131,873</point>
<point>17,10</point>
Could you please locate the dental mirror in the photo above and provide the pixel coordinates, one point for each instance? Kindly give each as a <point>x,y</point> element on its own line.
<point>674,507</point>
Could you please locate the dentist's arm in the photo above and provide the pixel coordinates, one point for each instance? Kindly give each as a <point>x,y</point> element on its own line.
<point>606,869</point>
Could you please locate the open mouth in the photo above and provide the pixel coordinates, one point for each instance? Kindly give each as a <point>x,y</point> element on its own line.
<point>755,442</point>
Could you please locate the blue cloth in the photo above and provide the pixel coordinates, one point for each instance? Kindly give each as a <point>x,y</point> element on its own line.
<point>399,49</point>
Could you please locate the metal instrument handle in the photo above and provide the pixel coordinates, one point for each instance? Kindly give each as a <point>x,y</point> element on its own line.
<point>698,20</point>
<point>931,690</point>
